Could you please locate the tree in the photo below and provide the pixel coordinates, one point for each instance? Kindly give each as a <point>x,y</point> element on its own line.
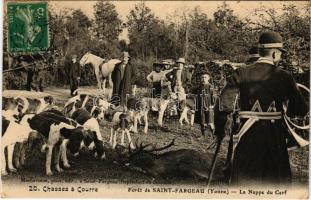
<point>294,26</point>
<point>108,23</point>
<point>141,23</point>
<point>81,19</point>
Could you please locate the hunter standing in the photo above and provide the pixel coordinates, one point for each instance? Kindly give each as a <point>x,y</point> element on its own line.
<point>177,77</point>
<point>122,78</point>
<point>204,97</point>
<point>74,75</point>
<point>260,153</point>
<point>156,77</point>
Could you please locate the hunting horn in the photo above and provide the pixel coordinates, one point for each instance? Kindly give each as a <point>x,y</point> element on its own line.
<point>302,142</point>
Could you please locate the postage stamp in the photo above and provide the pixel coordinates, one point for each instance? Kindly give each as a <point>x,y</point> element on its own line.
<point>28,29</point>
<point>156,99</point>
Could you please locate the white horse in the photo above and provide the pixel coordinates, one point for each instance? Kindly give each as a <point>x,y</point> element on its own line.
<point>102,68</point>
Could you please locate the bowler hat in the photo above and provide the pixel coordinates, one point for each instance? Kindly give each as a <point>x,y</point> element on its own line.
<point>157,65</point>
<point>270,40</point>
<point>181,60</point>
<point>203,72</point>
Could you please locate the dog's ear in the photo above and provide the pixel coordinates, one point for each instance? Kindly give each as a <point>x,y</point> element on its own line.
<point>89,137</point>
<point>65,132</point>
<point>122,116</point>
<point>100,148</point>
<point>96,112</point>
<point>34,138</point>
<point>78,104</point>
<point>123,121</point>
<point>48,99</point>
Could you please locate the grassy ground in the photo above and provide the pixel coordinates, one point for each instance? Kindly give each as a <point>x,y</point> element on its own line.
<point>88,168</point>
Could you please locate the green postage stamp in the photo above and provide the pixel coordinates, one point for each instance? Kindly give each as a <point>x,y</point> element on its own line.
<point>27,27</point>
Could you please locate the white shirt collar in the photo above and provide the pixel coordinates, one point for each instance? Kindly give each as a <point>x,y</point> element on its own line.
<point>265,60</point>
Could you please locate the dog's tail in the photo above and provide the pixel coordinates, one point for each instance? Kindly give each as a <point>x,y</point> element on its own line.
<point>75,92</point>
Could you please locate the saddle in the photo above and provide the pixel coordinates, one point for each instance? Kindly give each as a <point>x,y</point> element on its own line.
<point>108,62</point>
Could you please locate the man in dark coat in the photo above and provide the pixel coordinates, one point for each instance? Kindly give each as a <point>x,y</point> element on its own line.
<point>74,74</point>
<point>260,150</point>
<point>123,79</point>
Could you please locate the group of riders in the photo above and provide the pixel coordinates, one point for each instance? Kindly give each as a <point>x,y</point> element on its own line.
<point>253,96</point>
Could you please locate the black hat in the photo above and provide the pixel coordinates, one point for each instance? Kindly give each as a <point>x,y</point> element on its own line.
<point>204,71</point>
<point>270,40</point>
<point>157,65</point>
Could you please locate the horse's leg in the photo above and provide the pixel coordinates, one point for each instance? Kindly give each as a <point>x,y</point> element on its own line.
<point>110,81</point>
<point>110,86</point>
<point>104,85</point>
<point>98,79</point>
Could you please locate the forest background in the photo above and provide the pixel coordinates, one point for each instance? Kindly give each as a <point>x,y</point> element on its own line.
<point>192,34</point>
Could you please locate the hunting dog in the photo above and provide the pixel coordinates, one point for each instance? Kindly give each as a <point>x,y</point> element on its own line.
<point>83,117</point>
<point>95,105</point>
<point>12,133</point>
<point>122,121</point>
<point>26,105</point>
<point>61,132</point>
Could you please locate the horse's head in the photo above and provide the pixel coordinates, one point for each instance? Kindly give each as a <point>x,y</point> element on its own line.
<point>84,59</point>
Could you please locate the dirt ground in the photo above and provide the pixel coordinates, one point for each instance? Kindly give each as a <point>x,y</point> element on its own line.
<point>86,167</point>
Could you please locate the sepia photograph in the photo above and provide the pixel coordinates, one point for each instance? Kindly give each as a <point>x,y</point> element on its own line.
<point>155,99</point>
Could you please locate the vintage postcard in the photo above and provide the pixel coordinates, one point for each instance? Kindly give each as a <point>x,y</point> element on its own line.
<point>155,99</point>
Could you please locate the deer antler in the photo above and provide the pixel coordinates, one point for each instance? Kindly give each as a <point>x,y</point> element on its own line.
<point>161,148</point>
<point>138,147</point>
<point>142,147</point>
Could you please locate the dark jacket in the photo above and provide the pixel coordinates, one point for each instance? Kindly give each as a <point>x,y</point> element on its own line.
<point>186,77</point>
<point>75,70</point>
<point>204,99</point>
<point>122,79</point>
<point>261,155</point>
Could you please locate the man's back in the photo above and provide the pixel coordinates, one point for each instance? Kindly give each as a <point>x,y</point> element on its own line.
<point>261,154</point>
<point>267,84</point>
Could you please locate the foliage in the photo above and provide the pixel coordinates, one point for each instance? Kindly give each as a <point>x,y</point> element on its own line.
<point>108,24</point>
<point>186,33</point>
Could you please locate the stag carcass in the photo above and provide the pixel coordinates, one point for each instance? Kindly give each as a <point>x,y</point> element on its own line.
<point>182,163</point>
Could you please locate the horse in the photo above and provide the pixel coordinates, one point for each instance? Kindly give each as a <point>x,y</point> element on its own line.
<point>103,68</point>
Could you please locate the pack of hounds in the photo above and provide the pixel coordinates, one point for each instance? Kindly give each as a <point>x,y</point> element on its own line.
<point>76,126</point>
